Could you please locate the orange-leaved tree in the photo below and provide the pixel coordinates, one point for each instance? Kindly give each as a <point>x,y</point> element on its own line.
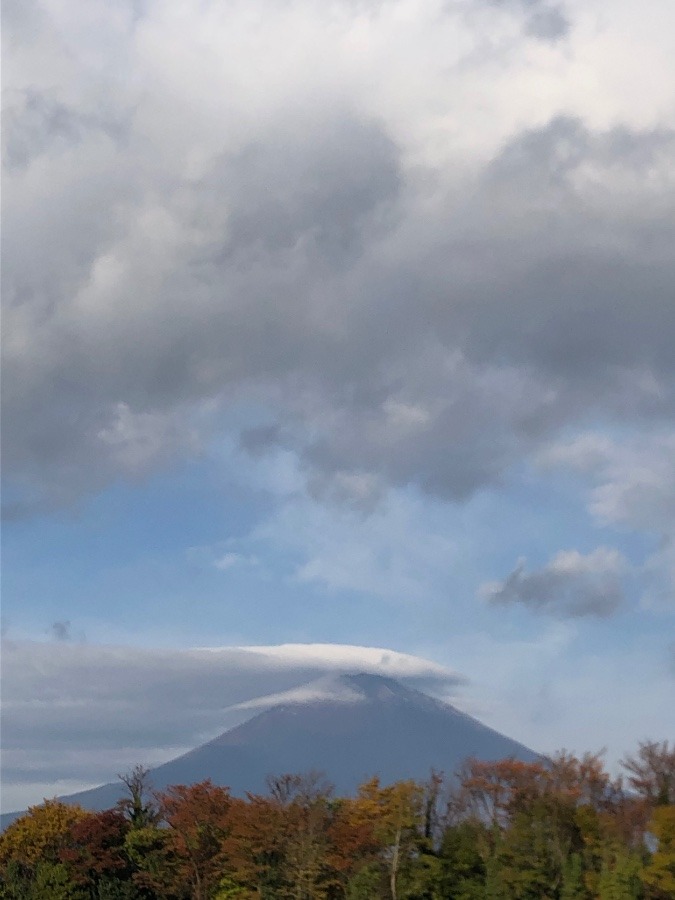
<point>198,818</point>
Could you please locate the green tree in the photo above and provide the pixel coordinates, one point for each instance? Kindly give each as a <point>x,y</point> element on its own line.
<point>620,877</point>
<point>659,874</point>
<point>153,859</point>
<point>573,882</point>
<point>462,861</point>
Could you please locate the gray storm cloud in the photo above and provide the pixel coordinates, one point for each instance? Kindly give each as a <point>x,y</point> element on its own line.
<point>184,238</point>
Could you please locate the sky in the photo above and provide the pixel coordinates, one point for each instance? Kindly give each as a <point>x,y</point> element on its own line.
<point>336,336</point>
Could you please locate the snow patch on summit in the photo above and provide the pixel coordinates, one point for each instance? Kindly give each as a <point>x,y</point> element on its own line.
<point>331,688</point>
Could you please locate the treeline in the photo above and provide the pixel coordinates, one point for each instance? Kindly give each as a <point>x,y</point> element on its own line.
<point>507,830</point>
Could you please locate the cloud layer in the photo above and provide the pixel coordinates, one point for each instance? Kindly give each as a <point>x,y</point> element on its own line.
<point>412,271</point>
<point>83,712</point>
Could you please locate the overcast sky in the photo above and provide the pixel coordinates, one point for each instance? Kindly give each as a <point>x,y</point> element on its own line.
<point>343,323</point>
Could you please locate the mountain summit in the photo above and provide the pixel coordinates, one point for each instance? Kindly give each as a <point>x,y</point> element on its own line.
<point>349,727</point>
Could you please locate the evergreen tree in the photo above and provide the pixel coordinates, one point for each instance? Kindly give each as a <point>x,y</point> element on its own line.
<point>462,870</point>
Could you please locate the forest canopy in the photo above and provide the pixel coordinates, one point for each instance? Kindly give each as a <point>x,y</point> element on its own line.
<point>559,829</point>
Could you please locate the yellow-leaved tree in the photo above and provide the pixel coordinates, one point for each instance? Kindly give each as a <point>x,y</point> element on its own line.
<point>395,814</point>
<point>40,834</point>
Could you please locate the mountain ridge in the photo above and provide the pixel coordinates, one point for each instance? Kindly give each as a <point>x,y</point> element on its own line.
<point>349,727</point>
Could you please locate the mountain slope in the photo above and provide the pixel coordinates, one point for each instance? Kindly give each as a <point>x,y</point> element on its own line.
<point>355,727</point>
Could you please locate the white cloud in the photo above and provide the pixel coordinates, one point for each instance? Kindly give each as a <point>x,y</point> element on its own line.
<point>138,442</point>
<point>631,483</point>
<point>230,560</point>
<point>396,552</point>
<point>634,478</point>
<point>349,658</point>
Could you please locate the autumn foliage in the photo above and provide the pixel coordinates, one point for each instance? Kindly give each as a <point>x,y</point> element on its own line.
<point>559,829</point>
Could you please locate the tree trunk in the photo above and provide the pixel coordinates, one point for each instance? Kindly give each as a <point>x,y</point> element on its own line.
<point>394,865</point>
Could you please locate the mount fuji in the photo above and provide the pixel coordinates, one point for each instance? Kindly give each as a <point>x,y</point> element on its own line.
<point>349,727</point>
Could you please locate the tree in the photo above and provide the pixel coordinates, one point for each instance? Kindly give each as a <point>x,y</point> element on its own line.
<point>40,834</point>
<point>282,844</point>
<point>659,874</point>
<point>255,846</point>
<point>545,822</point>
<point>495,791</point>
<point>96,853</point>
<point>463,852</point>
<point>573,882</point>
<point>139,805</point>
<point>45,881</point>
<point>528,854</point>
<point>199,822</point>
<point>307,814</point>
<point>153,858</point>
<point>396,816</point>
<point>620,876</point>
<point>652,772</point>
<point>30,849</point>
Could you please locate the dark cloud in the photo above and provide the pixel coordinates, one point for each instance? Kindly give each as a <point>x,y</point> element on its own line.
<point>327,201</point>
<point>61,631</point>
<point>548,24</point>
<point>571,585</point>
<point>543,20</point>
<point>396,322</point>
<point>257,441</point>
<point>299,208</point>
<point>36,123</point>
<point>437,369</point>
